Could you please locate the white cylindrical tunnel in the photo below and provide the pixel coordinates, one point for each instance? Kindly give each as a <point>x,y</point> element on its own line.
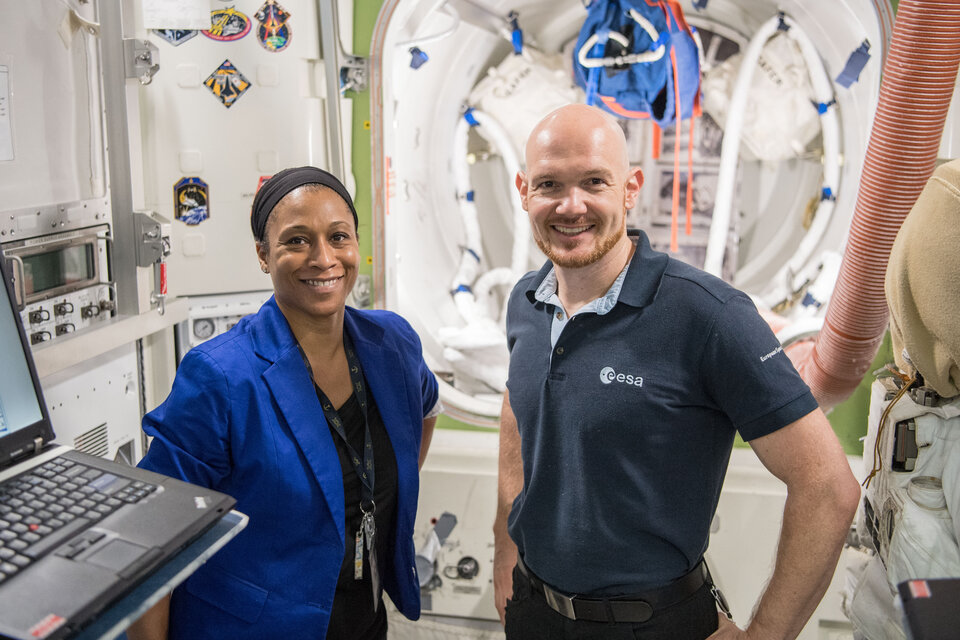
<point>453,100</point>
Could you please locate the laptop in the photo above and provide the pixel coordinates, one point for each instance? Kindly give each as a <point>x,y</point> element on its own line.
<point>77,531</point>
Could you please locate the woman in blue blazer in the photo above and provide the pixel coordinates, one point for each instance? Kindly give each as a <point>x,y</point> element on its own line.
<point>315,417</point>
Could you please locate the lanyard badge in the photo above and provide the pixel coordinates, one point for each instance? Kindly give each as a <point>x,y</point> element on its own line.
<point>362,466</point>
<point>369,529</point>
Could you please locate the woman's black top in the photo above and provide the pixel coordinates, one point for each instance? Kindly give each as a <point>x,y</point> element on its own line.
<point>352,616</point>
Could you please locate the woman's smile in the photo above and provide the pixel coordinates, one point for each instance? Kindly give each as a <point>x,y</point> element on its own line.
<point>324,283</point>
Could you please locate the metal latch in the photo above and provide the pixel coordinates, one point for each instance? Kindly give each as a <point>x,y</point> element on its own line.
<point>354,73</point>
<point>152,233</point>
<point>925,396</point>
<point>138,59</point>
<point>149,239</point>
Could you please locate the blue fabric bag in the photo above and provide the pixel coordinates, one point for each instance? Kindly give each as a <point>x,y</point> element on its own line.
<point>639,59</point>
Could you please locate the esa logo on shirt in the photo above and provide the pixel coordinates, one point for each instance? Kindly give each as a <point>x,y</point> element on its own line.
<point>608,376</point>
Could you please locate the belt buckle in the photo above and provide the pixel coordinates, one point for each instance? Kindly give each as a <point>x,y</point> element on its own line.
<point>560,603</point>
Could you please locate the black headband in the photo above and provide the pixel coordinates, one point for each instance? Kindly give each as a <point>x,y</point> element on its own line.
<point>282,183</point>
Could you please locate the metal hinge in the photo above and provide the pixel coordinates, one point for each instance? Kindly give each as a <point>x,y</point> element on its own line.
<point>139,58</point>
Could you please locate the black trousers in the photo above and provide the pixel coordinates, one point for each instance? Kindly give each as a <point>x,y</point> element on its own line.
<point>528,617</point>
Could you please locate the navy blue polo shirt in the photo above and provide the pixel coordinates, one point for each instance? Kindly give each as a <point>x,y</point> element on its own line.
<point>627,422</point>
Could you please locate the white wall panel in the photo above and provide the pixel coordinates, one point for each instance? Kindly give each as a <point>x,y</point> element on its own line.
<point>187,132</point>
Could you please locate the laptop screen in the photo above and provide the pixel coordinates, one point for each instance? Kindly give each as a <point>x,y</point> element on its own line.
<point>22,418</point>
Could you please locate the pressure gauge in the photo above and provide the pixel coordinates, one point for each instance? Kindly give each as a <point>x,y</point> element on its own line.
<point>203,328</point>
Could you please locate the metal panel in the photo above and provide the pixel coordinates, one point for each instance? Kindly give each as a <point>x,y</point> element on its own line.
<point>118,161</point>
<point>95,405</point>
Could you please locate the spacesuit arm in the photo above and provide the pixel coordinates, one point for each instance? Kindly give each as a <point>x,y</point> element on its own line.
<point>822,496</point>
<point>509,484</point>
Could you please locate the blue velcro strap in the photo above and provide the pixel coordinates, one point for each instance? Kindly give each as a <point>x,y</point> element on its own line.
<point>783,26</point>
<point>855,64</point>
<point>417,57</point>
<point>461,289</point>
<point>827,194</point>
<point>823,106</point>
<point>468,116</point>
<point>516,33</point>
<point>663,39</point>
<point>469,196</point>
<point>809,300</point>
<point>474,254</point>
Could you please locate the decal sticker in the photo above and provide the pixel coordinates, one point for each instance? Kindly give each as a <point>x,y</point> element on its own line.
<point>227,25</point>
<point>919,589</point>
<point>273,32</point>
<point>191,201</point>
<point>47,626</point>
<point>227,83</point>
<point>176,37</point>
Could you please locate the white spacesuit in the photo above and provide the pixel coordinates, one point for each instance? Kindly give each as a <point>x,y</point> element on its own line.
<point>909,521</point>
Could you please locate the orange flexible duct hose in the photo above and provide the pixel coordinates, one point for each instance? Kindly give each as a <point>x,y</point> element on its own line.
<point>918,81</point>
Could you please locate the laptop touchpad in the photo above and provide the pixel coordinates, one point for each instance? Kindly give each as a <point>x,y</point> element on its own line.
<point>124,558</point>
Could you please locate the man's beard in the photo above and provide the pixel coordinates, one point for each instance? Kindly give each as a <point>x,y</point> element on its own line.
<point>603,247</point>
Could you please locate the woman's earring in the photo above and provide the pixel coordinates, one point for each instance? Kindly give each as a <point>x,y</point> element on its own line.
<point>263,268</point>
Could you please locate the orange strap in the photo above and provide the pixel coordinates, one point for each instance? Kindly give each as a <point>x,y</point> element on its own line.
<point>675,210</point>
<point>655,152</point>
<point>611,103</point>
<point>677,11</point>
<point>690,180</point>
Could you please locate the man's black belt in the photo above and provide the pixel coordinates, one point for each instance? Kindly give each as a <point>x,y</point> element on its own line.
<point>637,607</point>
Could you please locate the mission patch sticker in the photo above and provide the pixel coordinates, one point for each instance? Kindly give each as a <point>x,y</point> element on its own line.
<point>191,201</point>
<point>227,84</point>
<point>273,32</point>
<point>176,37</point>
<point>227,25</point>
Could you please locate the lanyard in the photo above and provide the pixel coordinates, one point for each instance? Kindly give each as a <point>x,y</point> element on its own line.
<point>364,467</point>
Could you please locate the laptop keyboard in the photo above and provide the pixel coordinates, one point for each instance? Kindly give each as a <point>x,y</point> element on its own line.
<point>52,503</point>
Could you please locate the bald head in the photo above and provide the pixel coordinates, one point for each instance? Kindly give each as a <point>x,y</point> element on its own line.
<point>577,188</point>
<point>578,126</point>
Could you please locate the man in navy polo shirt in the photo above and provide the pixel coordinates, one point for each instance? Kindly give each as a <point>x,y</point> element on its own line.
<point>630,373</point>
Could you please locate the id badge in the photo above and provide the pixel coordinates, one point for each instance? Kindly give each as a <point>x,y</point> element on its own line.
<point>358,555</point>
<point>370,531</point>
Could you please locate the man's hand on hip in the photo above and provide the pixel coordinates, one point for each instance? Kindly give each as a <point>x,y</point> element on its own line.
<point>728,630</point>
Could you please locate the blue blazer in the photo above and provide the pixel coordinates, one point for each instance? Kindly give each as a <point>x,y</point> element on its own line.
<point>243,418</point>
